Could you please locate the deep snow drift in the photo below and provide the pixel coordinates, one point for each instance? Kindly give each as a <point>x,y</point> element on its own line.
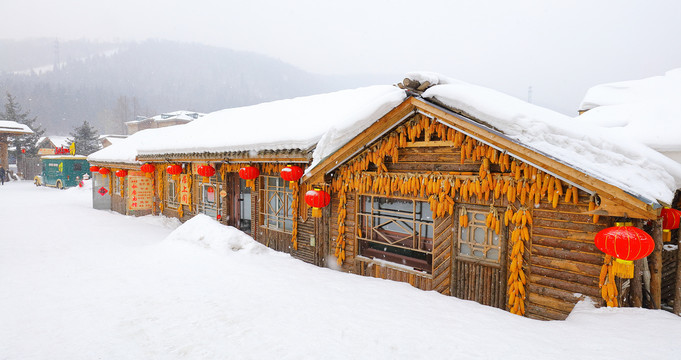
<point>78,283</point>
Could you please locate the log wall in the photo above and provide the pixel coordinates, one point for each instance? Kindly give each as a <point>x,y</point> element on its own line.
<point>350,231</point>
<point>564,262</point>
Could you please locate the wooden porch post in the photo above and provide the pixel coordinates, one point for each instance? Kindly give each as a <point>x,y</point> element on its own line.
<point>637,285</point>
<point>677,286</point>
<point>4,156</point>
<point>655,260</point>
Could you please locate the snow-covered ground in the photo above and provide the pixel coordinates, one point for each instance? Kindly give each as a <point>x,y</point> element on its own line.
<point>78,283</point>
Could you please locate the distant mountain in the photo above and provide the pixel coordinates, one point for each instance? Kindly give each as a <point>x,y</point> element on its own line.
<point>106,84</point>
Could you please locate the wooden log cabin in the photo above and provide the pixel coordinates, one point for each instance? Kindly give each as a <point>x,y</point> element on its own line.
<point>425,188</point>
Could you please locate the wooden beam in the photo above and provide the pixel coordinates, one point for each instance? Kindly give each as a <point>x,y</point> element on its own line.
<point>613,195</point>
<point>677,285</point>
<point>655,263</point>
<point>359,142</point>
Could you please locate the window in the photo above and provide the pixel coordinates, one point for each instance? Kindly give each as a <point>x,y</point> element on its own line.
<point>396,230</point>
<point>116,184</point>
<point>276,207</point>
<point>172,188</point>
<point>77,166</point>
<point>244,207</point>
<point>208,196</point>
<point>476,241</point>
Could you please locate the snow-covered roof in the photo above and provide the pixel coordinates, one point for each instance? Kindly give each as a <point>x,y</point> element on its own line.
<point>293,124</point>
<point>646,110</point>
<point>113,139</point>
<point>124,150</point>
<point>57,140</point>
<point>171,116</point>
<point>13,127</point>
<point>594,150</point>
<point>329,121</point>
<point>634,91</point>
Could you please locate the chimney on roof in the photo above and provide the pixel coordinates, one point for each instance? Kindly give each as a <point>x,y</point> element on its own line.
<point>414,86</point>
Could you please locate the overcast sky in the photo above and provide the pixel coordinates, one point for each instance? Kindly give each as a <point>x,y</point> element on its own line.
<point>560,48</point>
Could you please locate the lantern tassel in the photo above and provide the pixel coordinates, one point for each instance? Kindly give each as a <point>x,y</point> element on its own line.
<point>666,236</point>
<point>316,212</point>
<point>623,268</point>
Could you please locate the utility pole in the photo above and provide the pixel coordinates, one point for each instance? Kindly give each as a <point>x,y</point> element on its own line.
<point>529,94</point>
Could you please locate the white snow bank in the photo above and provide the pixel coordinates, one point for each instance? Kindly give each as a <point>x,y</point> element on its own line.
<point>296,123</point>
<point>594,150</point>
<point>647,110</point>
<point>206,232</point>
<point>96,284</point>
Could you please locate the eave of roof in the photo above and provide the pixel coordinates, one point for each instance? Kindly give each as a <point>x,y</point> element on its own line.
<point>615,201</point>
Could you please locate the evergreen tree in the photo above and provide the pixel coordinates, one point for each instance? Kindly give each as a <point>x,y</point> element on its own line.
<point>13,112</point>
<point>86,139</point>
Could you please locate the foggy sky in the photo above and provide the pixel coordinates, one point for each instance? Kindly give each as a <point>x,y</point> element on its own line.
<point>559,48</point>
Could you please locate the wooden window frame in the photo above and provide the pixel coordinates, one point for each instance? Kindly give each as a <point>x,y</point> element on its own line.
<point>485,246</point>
<point>395,242</point>
<point>171,202</point>
<point>200,204</point>
<point>282,213</point>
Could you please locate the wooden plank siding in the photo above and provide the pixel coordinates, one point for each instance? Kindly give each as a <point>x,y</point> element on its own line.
<point>350,231</point>
<point>563,260</point>
<point>442,254</point>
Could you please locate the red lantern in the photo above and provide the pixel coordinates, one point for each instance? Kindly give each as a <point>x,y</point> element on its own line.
<point>147,168</point>
<point>94,168</point>
<point>625,243</point>
<point>122,173</point>
<point>104,171</point>
<point>249,173</point>
<point>206,170</point>
<point>670,221</point>
<point>317,199</point>
<point>291,173</point>
<point>174,169</point>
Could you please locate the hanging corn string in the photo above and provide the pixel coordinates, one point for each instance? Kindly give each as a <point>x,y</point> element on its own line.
<point>517,181</point>
<point>294,214</point>
<point>606,282</point>
<point>342,213</point>
<point>159,180</point>
<point>592,207</point>
<point>517,280</point>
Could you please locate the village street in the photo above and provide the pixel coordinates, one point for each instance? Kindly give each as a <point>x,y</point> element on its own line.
<point>78,283</point>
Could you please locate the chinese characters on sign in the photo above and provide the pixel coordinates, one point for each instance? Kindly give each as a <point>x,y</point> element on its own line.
<point>184,189</point>
<point>140,191</point>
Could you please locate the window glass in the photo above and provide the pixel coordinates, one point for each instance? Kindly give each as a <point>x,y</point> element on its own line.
<point>245,207</point>
<point>276,210</point>
<point>396,230</point>
<point>171,190</point>
<point>477,241</point>
<point>207,202</point>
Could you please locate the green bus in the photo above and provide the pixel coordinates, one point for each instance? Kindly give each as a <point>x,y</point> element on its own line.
<point>62,171</point>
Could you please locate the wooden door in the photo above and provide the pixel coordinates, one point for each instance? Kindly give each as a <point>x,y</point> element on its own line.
<point>479,257</point>
<point>237,203</point>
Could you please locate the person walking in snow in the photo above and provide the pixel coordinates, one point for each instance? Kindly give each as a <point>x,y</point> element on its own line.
<point>2,175</point>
